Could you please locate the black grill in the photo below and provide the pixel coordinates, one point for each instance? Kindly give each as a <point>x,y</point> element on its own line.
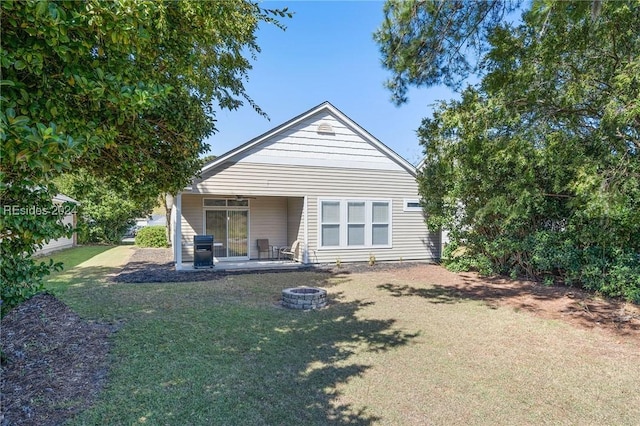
<point>203,251</point>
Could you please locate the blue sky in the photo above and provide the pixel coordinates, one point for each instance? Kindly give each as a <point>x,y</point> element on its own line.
<point>327,53</point>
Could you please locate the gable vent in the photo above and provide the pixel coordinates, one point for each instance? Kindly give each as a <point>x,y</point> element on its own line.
<point>326,128</point>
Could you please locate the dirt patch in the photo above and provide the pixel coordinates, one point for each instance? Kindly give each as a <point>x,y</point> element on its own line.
<point>56,363</point>
<point>569,304</point>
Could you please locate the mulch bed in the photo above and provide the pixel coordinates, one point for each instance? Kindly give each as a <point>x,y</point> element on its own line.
<point>156,265</point>
<point>55,362</point>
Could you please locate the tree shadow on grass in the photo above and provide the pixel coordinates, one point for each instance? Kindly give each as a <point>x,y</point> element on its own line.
<point>436,294</point>
<point>315,355</point>
<point>488,289</point>
<point>323,353</point>
<point>72,257</point>
<point>556,301</point>
<point>238,363</point>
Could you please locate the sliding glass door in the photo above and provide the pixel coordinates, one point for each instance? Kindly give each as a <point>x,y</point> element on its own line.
<point>230,229</point>
<point>237,233</point>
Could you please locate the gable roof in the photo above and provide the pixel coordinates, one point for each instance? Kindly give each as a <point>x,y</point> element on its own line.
<point>323,107</point>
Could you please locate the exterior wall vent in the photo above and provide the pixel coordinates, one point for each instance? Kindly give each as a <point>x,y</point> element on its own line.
<point>326,128</point>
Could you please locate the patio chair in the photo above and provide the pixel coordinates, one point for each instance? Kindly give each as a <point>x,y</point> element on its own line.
<point>290,252</point>
<point>263,246</point>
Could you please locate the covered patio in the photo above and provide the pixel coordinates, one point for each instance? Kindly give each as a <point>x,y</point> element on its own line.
<point>247,266</point>
<point>237,224</point>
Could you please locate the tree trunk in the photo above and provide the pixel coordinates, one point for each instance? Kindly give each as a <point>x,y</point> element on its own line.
<point>168,205</point>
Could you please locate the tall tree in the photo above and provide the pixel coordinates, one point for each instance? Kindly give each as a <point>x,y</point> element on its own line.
<point>103,214</point>
<point>126,89</point>
<point>536,169</point>
<point>430,42</point>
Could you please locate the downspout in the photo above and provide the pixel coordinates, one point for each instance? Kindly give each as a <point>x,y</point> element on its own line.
<point>305,213</point>
<point>172,227</point>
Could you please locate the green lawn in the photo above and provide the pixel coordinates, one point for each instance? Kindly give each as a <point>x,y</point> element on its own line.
<point>74,256</point>
<point>223,352</point>
<point>86,265</point>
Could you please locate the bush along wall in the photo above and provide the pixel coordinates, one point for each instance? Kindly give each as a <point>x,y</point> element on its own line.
<point>152,236</point>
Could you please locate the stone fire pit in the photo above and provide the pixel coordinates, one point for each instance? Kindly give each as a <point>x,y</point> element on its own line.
<point>304,298</point>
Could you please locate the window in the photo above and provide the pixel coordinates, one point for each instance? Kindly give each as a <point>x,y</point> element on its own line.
<point>380,223</point>
<point>238,203</point>
<point>355,223</point>
<point>412,205</point>
<point>219,202</point>
<point>330,223</point>
<point>213,202</point>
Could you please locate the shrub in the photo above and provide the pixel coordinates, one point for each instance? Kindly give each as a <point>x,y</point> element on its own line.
<point>23,232</point>
<point>615,273</point>
<point>458,258</point>
<point>152,236</point>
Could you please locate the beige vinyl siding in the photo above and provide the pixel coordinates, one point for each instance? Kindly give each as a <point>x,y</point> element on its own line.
<point>268,219</point>
<point>252,179</point>
<point>192,217</point>
<point>304,145</point>
<point>410,239</point>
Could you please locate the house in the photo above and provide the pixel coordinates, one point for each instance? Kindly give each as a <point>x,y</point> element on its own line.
<point>319,179</point>
<point>68,218</point>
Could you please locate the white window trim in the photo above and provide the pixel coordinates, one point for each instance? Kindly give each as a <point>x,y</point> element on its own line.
<point>407,208</point>
<point>226,206</point>
<point>320,223</point>
<point>344,202</point>
<point>347,223</point>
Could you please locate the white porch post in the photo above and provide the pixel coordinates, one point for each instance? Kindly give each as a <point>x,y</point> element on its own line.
<point>177,233</point>
<point>305,253</point>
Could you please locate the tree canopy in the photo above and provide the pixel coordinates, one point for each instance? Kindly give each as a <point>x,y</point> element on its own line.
<point>128,90</point>
<point>426,43</point>
<point>536,170</point>
<point>104,214</point>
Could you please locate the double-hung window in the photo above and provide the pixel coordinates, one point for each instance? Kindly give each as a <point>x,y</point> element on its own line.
<point>355,223</point>
<point>379,223</point>
<point>330,216</point>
